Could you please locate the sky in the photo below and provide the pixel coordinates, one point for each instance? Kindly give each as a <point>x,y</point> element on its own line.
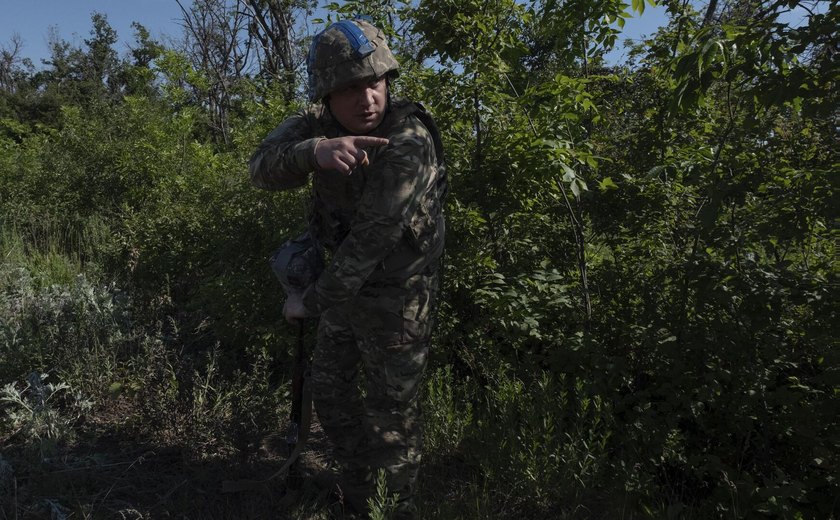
<point>636,28</point>
<point>32,20</point>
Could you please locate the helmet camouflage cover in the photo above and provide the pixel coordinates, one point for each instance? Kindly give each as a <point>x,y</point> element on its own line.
<point>344,52</point>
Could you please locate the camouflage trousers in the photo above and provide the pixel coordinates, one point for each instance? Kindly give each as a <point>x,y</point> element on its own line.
<point>366,373</point>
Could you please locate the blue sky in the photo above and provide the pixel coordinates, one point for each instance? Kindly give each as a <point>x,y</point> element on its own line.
<point>636,28</point>
<point>32,19</point>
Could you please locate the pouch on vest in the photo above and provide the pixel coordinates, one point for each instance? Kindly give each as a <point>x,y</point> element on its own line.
<point>297,263</point>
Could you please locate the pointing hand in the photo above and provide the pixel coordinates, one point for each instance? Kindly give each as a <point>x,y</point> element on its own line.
<point>345,153</point>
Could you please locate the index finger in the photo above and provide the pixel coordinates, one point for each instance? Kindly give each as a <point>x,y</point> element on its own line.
<point>367,140</point>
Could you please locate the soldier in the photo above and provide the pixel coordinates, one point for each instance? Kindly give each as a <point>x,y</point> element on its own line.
<point>378,181</point>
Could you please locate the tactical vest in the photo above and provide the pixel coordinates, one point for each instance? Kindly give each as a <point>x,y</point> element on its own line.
<point>336,195</point>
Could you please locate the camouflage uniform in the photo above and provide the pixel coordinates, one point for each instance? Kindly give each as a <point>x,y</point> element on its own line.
<point>383,228</point>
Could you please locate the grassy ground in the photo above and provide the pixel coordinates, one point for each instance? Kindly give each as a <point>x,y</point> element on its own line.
<point>104,415</point>
<point>115,469</point>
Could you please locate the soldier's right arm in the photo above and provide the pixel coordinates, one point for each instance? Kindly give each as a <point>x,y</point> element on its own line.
<point>286,157</point>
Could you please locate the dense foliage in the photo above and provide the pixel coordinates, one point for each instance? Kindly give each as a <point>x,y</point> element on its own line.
<point>640,290</point>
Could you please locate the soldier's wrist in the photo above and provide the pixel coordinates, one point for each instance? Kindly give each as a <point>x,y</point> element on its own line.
<point>314,155</point>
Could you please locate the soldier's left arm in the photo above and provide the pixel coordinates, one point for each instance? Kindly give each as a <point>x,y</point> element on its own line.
<point>396,181</point>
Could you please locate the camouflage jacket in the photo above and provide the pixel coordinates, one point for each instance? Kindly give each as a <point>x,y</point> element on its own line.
<point>382,223</point>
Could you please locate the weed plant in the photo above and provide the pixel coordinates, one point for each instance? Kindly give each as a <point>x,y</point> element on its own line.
<point>81,364</point>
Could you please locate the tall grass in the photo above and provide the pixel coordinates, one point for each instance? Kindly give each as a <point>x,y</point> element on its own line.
<point>82,362</point>
<point>54,249</point>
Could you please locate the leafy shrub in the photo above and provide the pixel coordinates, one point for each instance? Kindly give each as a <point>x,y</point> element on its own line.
<point>40,414</point>
<point>447,414</point>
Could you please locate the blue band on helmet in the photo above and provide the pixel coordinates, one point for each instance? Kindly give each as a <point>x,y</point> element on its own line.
<point>352,32</point>
<point>357,39</point>
<point>355,36</point>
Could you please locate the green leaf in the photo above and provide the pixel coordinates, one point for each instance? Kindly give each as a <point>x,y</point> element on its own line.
<point>570,173</point>
<point>655,171</point>
<point>581,184</point>
<point>607,184</point>
<point>575,189</point>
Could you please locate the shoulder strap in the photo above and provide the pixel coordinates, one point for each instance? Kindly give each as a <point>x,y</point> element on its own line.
<point>428,121</point>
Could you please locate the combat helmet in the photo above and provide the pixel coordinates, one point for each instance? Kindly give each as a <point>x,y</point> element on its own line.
<point>347,51</point>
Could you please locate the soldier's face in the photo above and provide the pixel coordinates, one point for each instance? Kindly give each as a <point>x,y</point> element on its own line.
<point>360,106</point>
